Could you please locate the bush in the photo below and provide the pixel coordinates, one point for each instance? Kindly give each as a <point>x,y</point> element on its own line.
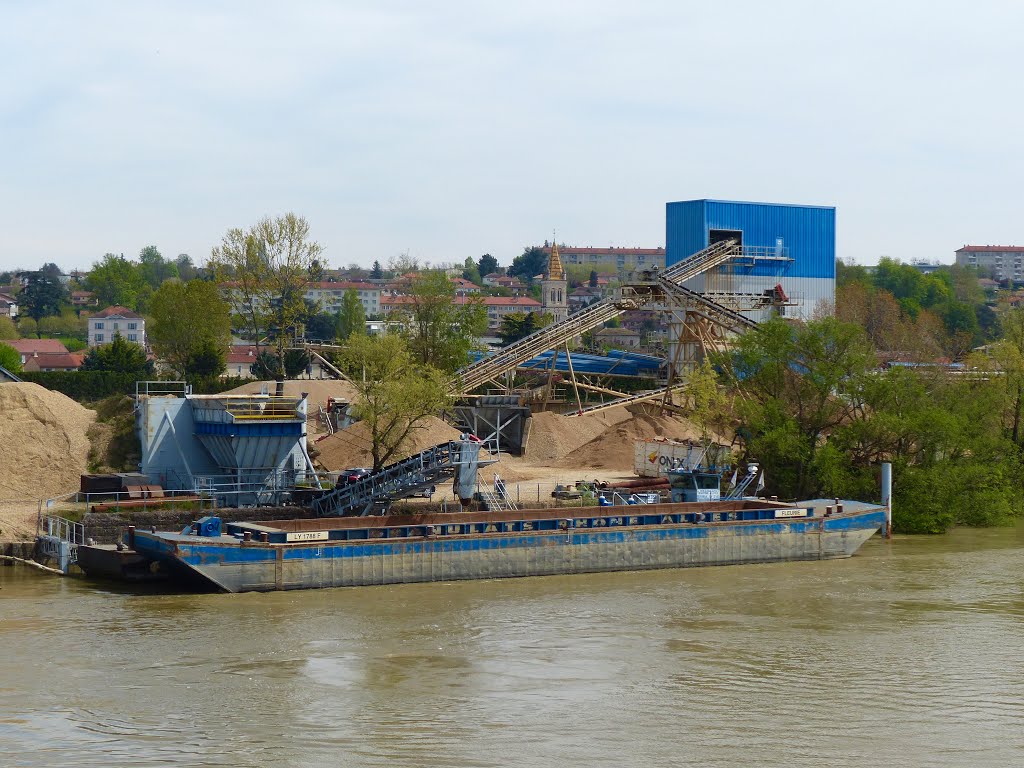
<point>85,386</point>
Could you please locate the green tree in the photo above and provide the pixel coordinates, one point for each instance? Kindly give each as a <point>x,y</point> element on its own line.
<point>470,272</point>
<point>186,269</point>
<point>7,328</point>
<point>707,403</point>
<point>296,361</point>
<point>154,268</point>
<point>377,273</point>
<point>592,282</point>
<point>487,265</point>
<point>207,360</point>
<point>10,359</point>
<point>795,379</point>
<point>395,392</point>
<point>322,326</point>
<point>43,295</point>
<point>265,270</point>
<point>351,317</point>
<point>530,263</point>
<point>119,356</point>
<point>518,325</point>
<point>440,329</point>
<point>186,321</point>
<point>116,281</point>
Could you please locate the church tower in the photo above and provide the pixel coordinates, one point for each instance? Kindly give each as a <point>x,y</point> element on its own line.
<point>554,288</point>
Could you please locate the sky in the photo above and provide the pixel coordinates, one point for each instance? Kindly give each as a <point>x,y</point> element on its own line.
<point>452,129</point>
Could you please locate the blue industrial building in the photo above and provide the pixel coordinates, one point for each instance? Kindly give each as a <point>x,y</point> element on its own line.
<point>789,245</point>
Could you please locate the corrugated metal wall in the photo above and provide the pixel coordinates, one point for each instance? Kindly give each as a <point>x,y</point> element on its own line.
<point>807,233</point>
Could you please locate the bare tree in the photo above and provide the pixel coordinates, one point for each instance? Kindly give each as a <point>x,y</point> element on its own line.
<point>265,270</point>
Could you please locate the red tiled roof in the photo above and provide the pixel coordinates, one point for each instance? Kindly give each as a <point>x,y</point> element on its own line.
<point>42,346</point>
<point>991,249</point>
<point>119,311</point>
<point>68,361</point>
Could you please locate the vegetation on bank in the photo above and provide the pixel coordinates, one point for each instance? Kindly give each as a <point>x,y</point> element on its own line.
<point>813,404</point>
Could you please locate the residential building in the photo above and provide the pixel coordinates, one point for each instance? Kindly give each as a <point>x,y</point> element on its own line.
<point>1001,262</point>
<point>497,306</point>
<point>29,348</point>
<point>8,306</point>
<point>617,259</point>
<point>54,361</point>
<point>620,338</point>
<point>239,360</point>
<point>464,287</point>
<point>107,323</point>
<point>81,299</point>
<point>500,280</point>
<point>329,295</point>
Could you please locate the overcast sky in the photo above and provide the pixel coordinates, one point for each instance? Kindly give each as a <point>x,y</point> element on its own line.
<point>451,129</point>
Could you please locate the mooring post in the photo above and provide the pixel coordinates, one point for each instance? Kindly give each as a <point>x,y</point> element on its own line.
<point>887,497</point>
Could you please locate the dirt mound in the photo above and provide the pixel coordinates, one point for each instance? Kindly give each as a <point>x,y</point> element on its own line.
<point>351,447</point>
<point>553,436</point>
<point>614,449</point>
<point>44,446</point>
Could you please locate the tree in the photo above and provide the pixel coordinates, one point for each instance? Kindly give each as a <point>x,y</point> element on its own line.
<point>530,263</point>
<point>154,268</point>
<point>517,325</point>
<point>43,295</point>
<point>440,329</point>
<point>187,320</point>
<point>322,326</point>
<point>7,328</point>
<point>10,359</point>
<point>377,273</point>
<point>487,265</point>
<point>316,271</point>
<point>395,392</point>
<point>186,269</point>
<point>118,282</point>
<point>352,316</point>
<point>266,269</point>
<point>796,379</point>
<point>471,273</point>
<point>119,356</point>
<point>707,403</point>
<point>592,282</point>
<point>296,361</point>
<point>206,360</point>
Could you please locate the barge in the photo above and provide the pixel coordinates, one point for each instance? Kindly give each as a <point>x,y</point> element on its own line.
<point>391,549</point>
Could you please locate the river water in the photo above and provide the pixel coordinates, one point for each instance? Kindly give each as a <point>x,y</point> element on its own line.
<point>909,654</point>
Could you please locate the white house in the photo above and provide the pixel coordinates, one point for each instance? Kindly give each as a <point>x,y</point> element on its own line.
<point>116,320</point>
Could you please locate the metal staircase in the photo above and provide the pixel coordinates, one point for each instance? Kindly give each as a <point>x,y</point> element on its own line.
<point>719,314</point>
<point>398,480</point>
<point>498,500</point>
<point>476,374</point>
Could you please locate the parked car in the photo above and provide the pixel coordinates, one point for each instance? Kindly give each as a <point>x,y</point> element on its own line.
<point>351,475</point>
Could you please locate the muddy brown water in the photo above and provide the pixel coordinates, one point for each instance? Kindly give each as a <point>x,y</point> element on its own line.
<point>910,654</point>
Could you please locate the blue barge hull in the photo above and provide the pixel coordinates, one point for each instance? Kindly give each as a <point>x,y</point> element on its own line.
<point>306,554</point>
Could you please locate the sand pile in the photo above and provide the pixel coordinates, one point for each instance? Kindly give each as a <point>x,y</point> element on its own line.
<point>44,447</point>
<point>553,436</point>
<point>614,449</point>
<point>351,447</point>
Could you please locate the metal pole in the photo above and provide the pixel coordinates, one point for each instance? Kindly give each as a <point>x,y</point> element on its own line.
<point>887,497</point>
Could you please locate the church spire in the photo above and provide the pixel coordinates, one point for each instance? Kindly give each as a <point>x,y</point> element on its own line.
<point>555,270</point>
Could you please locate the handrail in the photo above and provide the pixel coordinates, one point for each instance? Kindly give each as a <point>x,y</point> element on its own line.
<point>475,374</point>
